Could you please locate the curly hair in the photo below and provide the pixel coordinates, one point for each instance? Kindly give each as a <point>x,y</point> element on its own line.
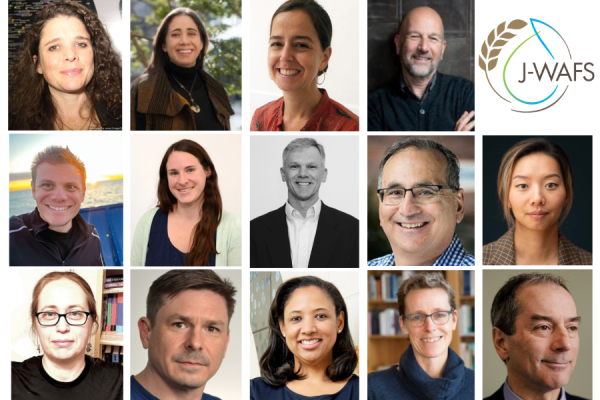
<point>31,106</point>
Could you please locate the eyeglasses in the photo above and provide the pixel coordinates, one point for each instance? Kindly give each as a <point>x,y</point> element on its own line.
<point>395,195</point>
<point>438,318</point>
<point>51,318</point>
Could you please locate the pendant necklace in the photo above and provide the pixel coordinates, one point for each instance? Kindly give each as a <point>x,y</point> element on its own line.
<point>195,107</point>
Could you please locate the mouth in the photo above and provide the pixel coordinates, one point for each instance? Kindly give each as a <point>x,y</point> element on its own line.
<point>288,72</point>
<point>537,214</point>
<point>186,190</point>
<point>304,183</point>
<point>432,340</point>
<point>412,225</point>
<point>309,344</point>
<point>71,72</point>
<point>58,209</point>
<point>185,52</point>
<point>556,365</point>
<point>191,364</point>
<point>421,59</point>
<point>62,343</point>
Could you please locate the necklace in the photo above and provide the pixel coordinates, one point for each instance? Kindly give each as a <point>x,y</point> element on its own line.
<point>87,122</point>
<point>195,107</point>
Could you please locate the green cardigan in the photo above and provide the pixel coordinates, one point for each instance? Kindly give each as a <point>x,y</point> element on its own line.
<point>229,240</point>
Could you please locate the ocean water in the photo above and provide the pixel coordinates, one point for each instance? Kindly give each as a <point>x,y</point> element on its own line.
<point>100,194</point>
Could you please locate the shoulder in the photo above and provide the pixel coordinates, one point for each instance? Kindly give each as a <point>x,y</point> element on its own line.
<point>384,261</point>
<point>383,91</point>
<point>500,252</point>
<point>346,119</point>
<point>259,389</point>
<point>106,370</point>
<point>569,254</point>
<point>384,381</point>
<point>206,396</point>
<point>213,84</point>
<point>228,218</point>
<point>148,216</point>
<point>340,215</point>
<point>263,116</point>
<point>498,395</point>
<point>455,81</point>
<point>268,217</point>
<point>18,223</point>
<point>572,397</point>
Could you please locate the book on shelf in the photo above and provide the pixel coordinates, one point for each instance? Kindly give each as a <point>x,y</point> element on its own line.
<point>385,287</point>
<point>384,322</point>
<point>467,353</point>
<point>113,285</point>
<point>113,354</point>
<point>114,278</point>
<point>468,283</point>
<point>112,317</point>
<point>466,320</point>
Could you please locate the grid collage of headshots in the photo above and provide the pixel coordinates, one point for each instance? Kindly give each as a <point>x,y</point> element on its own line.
<point>386,243</point>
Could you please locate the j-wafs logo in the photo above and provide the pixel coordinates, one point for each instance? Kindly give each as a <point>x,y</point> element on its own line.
<point>529,65</point>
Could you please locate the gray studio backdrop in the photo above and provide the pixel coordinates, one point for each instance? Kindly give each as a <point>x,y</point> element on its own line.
<point>579,283</point>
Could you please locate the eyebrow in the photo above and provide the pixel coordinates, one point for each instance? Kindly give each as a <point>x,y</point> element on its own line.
<point>315,310</point>
<point>546,177</point>
<point>189,29</point>
<point>56,307</point>
<point>190,321</point>
<point>434,311</point>
<point>175,169</point>
<point>277,37</point>
<point>58,39</point>
<point>51,181</point>
<point>393,184</point>
<point>538,317</point>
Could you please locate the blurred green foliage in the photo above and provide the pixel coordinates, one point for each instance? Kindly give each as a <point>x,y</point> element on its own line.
<point>224,59</point>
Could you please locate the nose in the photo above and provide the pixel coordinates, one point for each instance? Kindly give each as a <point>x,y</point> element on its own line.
<point>561,340</point>
<point>429,324</point>
<point>286,53</point>
<point>423,45</point>
<point>195,340</point>
<point>59,194</point>
<point>409,206</point>
<point>308,326</point>
<point>62,325</point>
<point>537,195</point>
<point>70,53</point>
<point>183,38</point>
<point>182,179</point>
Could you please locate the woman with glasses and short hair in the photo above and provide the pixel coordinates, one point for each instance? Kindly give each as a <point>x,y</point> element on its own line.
<point>63,320</point>
<point>429,368</point>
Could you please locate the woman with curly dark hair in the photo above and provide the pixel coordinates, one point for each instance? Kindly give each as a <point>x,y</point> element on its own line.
<point>67,77</point>
<point>175,93</point>
<point>310,351</point>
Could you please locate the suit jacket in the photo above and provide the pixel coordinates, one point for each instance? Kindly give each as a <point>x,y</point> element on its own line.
<point>502,251</point>
<point>499,395</point>
<point>335,245</point>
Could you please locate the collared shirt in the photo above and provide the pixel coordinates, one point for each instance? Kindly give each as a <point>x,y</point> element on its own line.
<point>302,231</point>
<point>510,395</point>
<point>329,116</point>
<point>454,255</point>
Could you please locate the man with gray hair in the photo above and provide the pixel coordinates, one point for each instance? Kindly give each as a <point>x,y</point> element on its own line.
<point>536,335</point>
<point>304,233</point>
<point>54,234</point>
<point>420,203</point>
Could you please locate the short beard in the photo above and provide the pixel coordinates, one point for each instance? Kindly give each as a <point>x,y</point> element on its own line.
<point>418,72</point>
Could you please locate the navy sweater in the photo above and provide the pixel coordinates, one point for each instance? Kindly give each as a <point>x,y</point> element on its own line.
<point>408,381</point>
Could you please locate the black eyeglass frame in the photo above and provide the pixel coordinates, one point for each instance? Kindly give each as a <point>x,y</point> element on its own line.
<point>87,315</point>
<point>430,316</point>
<point>382,191</point>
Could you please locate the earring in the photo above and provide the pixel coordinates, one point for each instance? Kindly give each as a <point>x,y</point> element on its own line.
<point>270,76</point>
<point>88,348</point>
<point>320,83</point>
<point>284,335</point>
<point>339,331</point>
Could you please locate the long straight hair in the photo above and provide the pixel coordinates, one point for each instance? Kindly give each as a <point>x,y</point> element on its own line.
<point>203,241</point>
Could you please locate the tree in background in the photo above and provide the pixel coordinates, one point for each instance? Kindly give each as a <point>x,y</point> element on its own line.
<point>224,58</point>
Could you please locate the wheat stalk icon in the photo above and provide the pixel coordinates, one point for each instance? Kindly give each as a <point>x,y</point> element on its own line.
<point>490,49</point>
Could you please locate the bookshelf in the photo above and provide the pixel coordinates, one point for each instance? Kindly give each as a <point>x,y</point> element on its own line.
<point>106,341</point>
<point>386,349</point>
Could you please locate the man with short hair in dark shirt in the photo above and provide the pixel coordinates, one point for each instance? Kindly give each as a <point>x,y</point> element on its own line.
<point>54,234</point>
<point>422,99</point>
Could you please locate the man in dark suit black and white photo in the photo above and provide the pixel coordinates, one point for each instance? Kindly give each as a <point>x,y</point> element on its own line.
<point>304,232</point>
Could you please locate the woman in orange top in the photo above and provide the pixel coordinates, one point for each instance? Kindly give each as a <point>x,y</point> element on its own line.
<point>299,52</point>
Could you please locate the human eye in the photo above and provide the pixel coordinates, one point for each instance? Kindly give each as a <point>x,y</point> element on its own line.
<point>190,170</point>
<point>213,329</point>
<point>180,325</point>
<point>46,185</point>
<point>275,44</point>
<point>395,192</point>
<point>521,186</point>
<point>416,318</point>
<point>173,173</point>
<point>552,185</point>
<point>82,44</point>
<point>440,315</point>
<point>75,315</point>
<point>295,319</point>
<point>302,45</point>
<point>293,166</point>
<point>321,316</point>
<point>542,328</point>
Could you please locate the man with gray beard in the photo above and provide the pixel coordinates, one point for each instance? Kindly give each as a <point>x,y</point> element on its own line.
<point>186,332</point>
<point>422,99</point>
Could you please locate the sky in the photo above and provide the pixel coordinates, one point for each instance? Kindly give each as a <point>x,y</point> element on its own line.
<point>102,154</point>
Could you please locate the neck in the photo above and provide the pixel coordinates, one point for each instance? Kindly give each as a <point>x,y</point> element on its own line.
<point>64,370</point>
<point>153,383</point>
<point>536,247</point>
<point>191,212</point>
<point>416,84</point>
<point>302,206</point>
<point>74,111</point>
<point>300,106</point>
<point>532,393</point>
<point>403,259</point>
<point>61,228</point>
<point>316,372</point>
<point>434,367</point>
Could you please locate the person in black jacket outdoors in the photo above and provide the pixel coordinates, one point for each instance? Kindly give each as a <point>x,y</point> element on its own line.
<point>422,99</point>
<point>54,234</point>
<point>536,334</point>
<point>429,369</point>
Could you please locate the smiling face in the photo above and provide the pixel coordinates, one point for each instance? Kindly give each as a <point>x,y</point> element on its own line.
<point>183,43</point>
<point>541,355</point>
<point>188,340</point>
<point>537,192</point>
<point>430,342</point>
<point>311,326</point>
<point>187,177</point>
<point>303,171</point>
<point>420,43</point>
<point>66,57</point>
<point>419,230</point>
<point>295,55</point>
<point>63,342</point>
<point>58,191</point>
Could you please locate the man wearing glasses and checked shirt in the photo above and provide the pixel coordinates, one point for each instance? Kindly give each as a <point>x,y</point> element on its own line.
<point>420,203</point>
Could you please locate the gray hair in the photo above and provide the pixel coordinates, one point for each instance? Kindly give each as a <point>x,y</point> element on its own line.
<point>426,280</point>
<point>301,143</point>
<point>423,143</point>
<point>506,307</point>
<point>57,155</point>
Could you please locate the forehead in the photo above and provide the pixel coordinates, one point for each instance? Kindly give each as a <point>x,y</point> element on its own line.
<point>304,154</point>
<point>181,158</point>
<point>414,166</point>
<point>293,23</point>
<point>182,22</point>
<point>63,24</point>
<point>61,292</point>
<point>57,172</point>
<point>307,299</point>
<point>536,164</point>
<point>426,300</point>
<point>423,20</point>
<point>545,299</point>
<point>196,305</point>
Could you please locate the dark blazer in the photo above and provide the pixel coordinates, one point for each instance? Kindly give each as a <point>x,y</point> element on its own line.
<point>502,251</point>
<point>335,245</point>
<point>499,395</point>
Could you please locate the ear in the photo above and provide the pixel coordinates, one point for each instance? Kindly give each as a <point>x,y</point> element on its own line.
<point>402,326</point>
<point>32,189</point>
<point>281,170</point>
<point>460,205</point>
<point>443,49</point>
<point>501,344</point>
<point>324,176</point>
<point>164,47</point>
<point>340,321</point>
<point>83,193</point>
<point>226,344</point>
<point>281,327</point>
<point>326,57</point>
<point>208,172</point>
<point>455,314</point>
<point>145,329</point>
<point>398,42</point>
<point>38,67</point>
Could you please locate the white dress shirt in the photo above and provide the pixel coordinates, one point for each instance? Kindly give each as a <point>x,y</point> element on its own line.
<point>302,232</point>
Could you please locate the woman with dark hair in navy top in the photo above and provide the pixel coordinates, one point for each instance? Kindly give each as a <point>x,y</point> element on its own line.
<point>310,354</point>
